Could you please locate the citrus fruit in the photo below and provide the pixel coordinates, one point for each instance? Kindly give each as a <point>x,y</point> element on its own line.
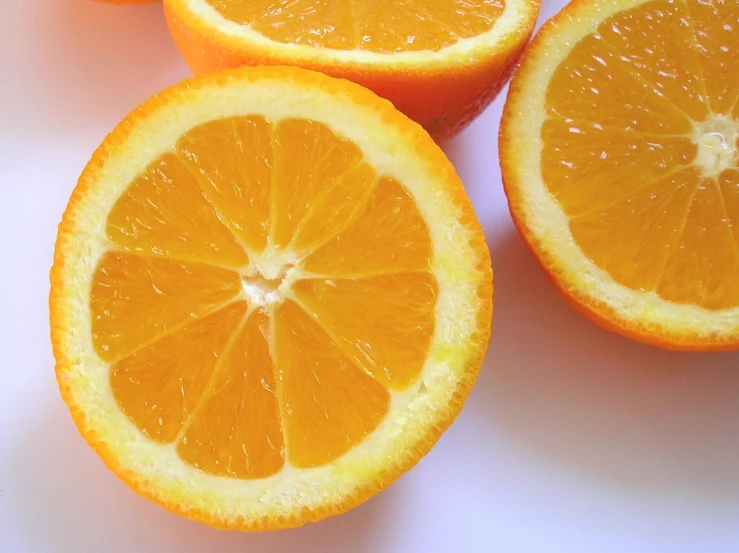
<point>270,296</point>
<point>618,148</point>
<point>439,62</point>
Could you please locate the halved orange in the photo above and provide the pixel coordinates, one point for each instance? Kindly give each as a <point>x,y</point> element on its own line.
<point>440,62</point>
<point>270,296</point>
<point>620,155</point>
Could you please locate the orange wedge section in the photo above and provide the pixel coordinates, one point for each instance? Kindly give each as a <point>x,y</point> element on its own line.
<point>236,431</point>
<point>323,419</point>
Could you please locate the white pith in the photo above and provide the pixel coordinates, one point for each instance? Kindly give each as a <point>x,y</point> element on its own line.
<point>716,139</point>
<point>268,279</point>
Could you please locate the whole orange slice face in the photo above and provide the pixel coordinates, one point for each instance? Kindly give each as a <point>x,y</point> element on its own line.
<point>619,149</point>
<point>440,62</point>
<point>270,296</point>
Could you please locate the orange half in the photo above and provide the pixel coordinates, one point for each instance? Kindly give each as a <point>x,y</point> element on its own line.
<point>270,296</point>
<point>620,156</point>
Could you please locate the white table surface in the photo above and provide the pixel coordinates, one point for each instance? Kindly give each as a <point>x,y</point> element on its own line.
<point>574,440</point>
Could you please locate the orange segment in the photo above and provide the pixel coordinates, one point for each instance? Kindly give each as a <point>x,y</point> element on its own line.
<point>319,23</point>
<point>729,184</point>
<point>587,167</point>
<point>703,266</point>
<point>388,233</point>
<point>409,25</point>
<point>309,157</point>
<point>136,300</point>
<point>232,160</point>
<point>236,432</point>
<point>624,179</point>
<point>330,404</point>
<point>158,387</point>
<point>716,27</point>
<point>658,42</point>
<point>632,237</point>
<point>597,84</point>
<point>164,212</point>
<point>335,208</point>
<point>384,323</point>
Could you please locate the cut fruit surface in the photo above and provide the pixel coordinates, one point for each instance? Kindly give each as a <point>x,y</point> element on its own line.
<point>383,27</point>
<point>270,295</point>
<point>461,50</point>
<point>619,149</point>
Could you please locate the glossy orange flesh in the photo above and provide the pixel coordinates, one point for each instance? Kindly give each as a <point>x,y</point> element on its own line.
<point>383,26</point>
<point>640,149</point>
<point>265,295</point>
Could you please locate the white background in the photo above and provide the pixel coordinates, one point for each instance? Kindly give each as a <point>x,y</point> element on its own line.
<point>574,440</point>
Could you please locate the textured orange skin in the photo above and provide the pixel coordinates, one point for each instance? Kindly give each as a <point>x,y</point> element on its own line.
<point>597,311</point>
<point>444,100</point>
<point>60,324</point>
